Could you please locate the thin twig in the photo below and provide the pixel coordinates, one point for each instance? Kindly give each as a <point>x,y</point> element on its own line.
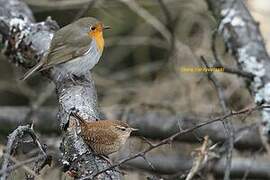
<point>166,12</point>
<point>171,28</point>
<point>27,169</point>
<point>11,145</point>
<point>238,72</point>
<point>148,162</point>
<point>155,23</point>
<point>213,48</point>
<point>201,157</point>
<point>22,163</point>
<point>250,164</point>
<point>84,10</point>
<point>226,123</point>
<point>35,104</point>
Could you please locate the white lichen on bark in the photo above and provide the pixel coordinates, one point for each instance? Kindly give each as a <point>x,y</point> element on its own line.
<point>243,38</point>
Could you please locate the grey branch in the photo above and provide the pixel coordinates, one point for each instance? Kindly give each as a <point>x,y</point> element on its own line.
<point>258,169</point>
<point>14,139</point>
<point>243,38</point>
<point>150,122</point>
<point>25,42</point>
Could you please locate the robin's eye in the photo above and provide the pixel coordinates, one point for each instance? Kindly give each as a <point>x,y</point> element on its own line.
<point>92,28</point>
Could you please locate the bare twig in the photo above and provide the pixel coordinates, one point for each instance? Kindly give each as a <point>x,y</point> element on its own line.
<point>220,64</point>
<point>84,10</point>
<point>154,22</point>
<point>226,123</point>
<point>27,169</point>
<point>35,104</point>
<point>170,24</point>
<point>200,158</point>
<point>167,13</point>
<point>253,158</point>
<point>213,48</point>
<point>148,162</point>
<point>19,164</point>
<point>238,72</point>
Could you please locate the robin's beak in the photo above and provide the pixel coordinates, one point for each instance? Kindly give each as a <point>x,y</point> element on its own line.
<point>106,27</point>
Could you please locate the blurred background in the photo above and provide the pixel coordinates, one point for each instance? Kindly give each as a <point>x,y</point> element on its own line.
<point>140,71</point>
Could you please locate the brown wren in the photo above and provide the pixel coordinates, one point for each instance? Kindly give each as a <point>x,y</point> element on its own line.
<point>104,136</point>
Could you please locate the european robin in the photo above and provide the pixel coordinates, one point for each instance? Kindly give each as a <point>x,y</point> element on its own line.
<point>74,49</point>
<point>104,136</point>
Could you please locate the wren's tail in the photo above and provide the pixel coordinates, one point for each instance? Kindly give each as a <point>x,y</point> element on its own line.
<point>81,120</point>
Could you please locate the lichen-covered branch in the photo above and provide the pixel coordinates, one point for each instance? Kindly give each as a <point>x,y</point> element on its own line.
<point>24,43</point>
<point>243,38</point>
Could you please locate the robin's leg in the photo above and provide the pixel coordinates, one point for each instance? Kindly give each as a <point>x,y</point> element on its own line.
<point>79,80</point>
<point>76,80</point>
<point>71,77</point>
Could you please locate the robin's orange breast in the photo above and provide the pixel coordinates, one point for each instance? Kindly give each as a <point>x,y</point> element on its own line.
<point>97,35</point>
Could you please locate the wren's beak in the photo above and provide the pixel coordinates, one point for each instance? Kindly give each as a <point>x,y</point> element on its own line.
<point>106,27</point>
<point>134,129</point>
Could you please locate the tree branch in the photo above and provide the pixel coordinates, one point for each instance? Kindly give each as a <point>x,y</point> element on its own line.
<point>149,121</point>
<point>243,38</point>
<point>25,41</point>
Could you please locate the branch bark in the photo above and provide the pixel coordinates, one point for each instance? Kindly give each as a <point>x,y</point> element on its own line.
<point>243,38</point>
<point>149,122</point>
<point>24,43</point>
<point>258,168</point>
<point>14,139</point>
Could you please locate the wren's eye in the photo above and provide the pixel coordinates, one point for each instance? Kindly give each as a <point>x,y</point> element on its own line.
<point>92,28</point>
<point>122,128</point>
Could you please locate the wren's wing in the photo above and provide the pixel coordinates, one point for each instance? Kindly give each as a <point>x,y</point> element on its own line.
<point>67,44</point>
<point>101,136</point>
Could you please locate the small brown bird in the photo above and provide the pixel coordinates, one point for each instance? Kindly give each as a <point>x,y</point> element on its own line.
<point>105,136</point>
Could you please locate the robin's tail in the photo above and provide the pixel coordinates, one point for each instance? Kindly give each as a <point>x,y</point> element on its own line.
<point>35,68</point>
<point>31,71</point>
